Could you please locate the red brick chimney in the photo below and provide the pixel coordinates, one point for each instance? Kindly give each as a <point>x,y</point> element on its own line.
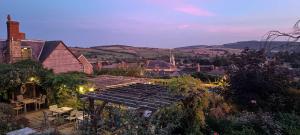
<point>13,31</point>
<point>14,37</point>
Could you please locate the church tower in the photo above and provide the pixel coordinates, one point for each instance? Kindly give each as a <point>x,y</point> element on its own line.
<point>13,42</point>
<point>172,58</point>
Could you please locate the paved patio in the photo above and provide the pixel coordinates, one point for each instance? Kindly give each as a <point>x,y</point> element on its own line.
<point>36,122</point>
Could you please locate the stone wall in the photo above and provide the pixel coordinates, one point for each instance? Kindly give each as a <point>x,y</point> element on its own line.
<point>61,60</point>
<point>14,51</point>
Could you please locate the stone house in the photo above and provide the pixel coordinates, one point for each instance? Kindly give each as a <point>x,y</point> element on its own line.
<point>53,55</point>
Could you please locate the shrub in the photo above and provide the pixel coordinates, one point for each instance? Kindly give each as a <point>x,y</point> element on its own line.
<point>256,123</point>
<point>206,77</point>
<point>290,123</point>
<point>8,122</point>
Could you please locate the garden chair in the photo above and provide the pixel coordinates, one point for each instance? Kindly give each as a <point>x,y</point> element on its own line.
<point>72,116</point>
<point>20,98</point>
<point>48,118</point>
<point>39,97</point>
<point>17,106</point>
<point>41,101</point>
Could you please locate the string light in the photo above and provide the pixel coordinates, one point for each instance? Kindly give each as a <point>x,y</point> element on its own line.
<point>31,79</point>
<point>92,89</point>
<point>81,89</point>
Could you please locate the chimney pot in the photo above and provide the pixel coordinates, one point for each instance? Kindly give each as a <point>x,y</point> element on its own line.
<point>8,18</point>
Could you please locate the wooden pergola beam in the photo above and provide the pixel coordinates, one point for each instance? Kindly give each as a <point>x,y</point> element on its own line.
<point>146,96</point>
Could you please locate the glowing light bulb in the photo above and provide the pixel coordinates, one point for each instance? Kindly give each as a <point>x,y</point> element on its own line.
<point>92,89</point>
<point>31,79</point>
<point>81,89</point>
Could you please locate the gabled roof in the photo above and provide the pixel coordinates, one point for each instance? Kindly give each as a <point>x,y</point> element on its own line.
<point>82,57</point>
<point>48,48</point>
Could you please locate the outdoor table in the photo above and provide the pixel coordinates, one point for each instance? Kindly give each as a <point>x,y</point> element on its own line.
<point>28,101</point>
<point>23,131</point>
<point>61,110</point>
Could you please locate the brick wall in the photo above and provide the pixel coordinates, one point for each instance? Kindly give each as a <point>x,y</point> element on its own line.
<point>13,31</point>
<point>14,51</point>
<point>61,60</point>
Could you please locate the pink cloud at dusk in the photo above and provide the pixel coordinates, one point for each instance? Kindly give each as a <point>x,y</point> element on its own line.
<point>183,26</point>
<point>183,6</point>
<point>229,29</point>
<point>194,11</point>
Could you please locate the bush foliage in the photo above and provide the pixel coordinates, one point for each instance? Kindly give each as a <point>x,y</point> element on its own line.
<point>61,88</point>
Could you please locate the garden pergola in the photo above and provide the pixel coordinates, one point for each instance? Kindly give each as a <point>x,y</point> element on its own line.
<point>139,96</point>
<point>146,97</point>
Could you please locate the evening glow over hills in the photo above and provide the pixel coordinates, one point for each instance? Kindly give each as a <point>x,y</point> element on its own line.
<point>150,23</point>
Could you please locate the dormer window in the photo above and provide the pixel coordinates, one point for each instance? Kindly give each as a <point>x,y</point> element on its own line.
<point>26,53</point>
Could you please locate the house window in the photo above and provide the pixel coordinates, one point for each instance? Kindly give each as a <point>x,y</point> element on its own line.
<point>26,53</point>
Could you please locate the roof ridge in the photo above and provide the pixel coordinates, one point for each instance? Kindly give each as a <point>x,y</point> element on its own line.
<point>33,40</point>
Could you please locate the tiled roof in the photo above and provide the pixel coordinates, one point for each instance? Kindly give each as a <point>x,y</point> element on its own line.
<point>36,47</point>
<point>2,48</point>
<point>153,64</point>
<point>40,49</point>
<point>48,48</point>
<point>2,45</point>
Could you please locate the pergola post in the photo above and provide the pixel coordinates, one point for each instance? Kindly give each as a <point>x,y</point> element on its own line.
<point>92,113</point>
<point>34,90</point>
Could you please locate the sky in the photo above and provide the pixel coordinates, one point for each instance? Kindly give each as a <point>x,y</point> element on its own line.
<point>149,23</point>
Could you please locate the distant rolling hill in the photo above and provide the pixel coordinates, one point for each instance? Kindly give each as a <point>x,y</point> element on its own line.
<point>274,45</point>
<point>123,52</point>
<point>130,53</point>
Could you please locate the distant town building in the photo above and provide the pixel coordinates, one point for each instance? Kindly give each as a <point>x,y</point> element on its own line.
<point>101,65</point>
<point>53,55</point>
<point>161,65</point>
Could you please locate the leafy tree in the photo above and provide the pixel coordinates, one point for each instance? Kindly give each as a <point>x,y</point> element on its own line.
<point>63,89</point>
<point>14,75</point>
<point>292,58</point>
<point>220,61</point>
<point>187,116</point>
<point>258,82</point>
<point>185,85</point>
